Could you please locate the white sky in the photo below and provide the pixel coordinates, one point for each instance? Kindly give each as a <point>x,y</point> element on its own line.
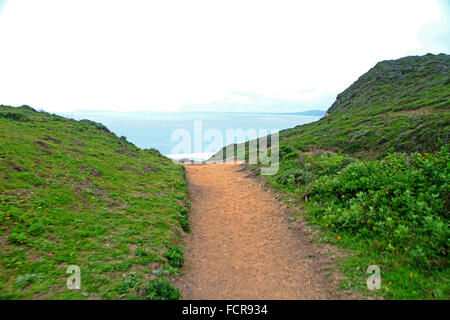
<point>171,55</point>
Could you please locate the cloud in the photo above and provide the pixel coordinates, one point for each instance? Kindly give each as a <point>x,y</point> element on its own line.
<point>168,55</point>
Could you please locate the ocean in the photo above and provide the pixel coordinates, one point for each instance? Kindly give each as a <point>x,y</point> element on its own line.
<point>192,135</point>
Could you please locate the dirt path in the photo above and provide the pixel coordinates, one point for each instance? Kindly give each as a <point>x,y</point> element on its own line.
<point>242,246</point>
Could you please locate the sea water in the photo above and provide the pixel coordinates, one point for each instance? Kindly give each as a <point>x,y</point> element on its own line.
<point>156,129</point>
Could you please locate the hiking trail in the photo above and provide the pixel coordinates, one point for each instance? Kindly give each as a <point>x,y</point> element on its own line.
<point>242,245</point>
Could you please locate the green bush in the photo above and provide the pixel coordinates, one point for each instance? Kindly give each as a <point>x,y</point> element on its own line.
<point>175,256</point>
<point>291,155</point>
<point>302,169</point>
<point>97,125</point>
<point>161,289</point>
<point>393,212</point>
<point>14,116</point>
<point>400,200</point>
<point>285,150</point>
<point>184,222</point>
<point>294,176</point>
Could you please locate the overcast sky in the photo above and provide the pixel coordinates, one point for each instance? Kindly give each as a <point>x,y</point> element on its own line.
<point>204,55</point>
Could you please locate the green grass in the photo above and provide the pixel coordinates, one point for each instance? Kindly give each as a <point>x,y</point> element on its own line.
<point>72,193</point>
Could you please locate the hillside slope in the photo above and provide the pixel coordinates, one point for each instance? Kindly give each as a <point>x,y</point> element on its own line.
<point>389,210</point>
<point>398,106</point>
<point>72,193</point>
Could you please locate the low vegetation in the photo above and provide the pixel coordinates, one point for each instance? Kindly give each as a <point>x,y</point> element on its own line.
<point>398,106</point>
<point>391,212</point>
<point>72,193</point>
<point>373,176</point>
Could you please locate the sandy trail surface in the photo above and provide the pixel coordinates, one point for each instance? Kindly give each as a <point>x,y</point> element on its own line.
<point>242,245</point>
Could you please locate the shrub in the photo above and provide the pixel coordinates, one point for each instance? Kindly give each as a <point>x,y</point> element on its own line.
<point>400,200</point>
<point>183,219</point>
<point>291,155</point>
<point>127,284</point>
<point>392,211</point>
<point>14,116</point>
<point>295,176</point>
<point>161,289</point>
<point>285,150</point>
<point>175,256</point>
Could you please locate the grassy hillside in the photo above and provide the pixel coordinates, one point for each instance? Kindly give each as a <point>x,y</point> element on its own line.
<point>398,106</point>
<point>374,174</point>
<point>72,193</point>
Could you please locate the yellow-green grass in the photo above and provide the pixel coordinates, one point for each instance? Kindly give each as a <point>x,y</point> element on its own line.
<point>73,193</point>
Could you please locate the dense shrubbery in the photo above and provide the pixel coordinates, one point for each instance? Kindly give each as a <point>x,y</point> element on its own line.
<point>393,210</point>
<point>295,176</point>
<point>400,200</point>
<point>301,170</point>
